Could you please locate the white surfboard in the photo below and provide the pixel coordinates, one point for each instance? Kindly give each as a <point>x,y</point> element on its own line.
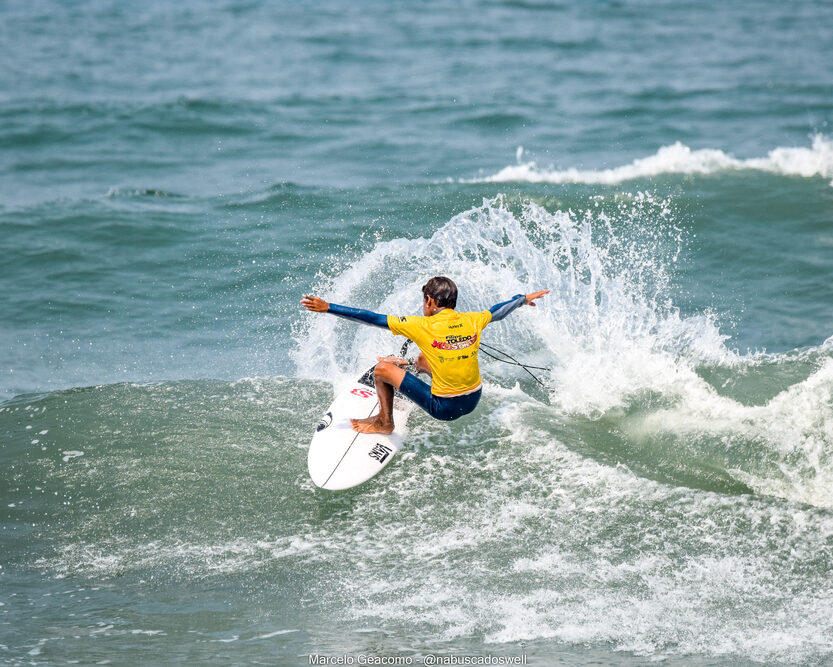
<point>339,457</point>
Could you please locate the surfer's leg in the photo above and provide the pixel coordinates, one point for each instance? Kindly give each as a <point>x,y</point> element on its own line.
<point>387,377</point>
<point>446,408</point>
<point>419,392</point>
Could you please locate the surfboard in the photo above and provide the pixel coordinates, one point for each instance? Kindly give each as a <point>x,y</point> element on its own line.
<point>341,458</point>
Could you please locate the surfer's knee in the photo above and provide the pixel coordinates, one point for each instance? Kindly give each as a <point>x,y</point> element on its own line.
<point>390,373</point>
<point>383,369</point>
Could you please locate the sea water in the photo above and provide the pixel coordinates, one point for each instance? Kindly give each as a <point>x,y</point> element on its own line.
<point>176,175</point>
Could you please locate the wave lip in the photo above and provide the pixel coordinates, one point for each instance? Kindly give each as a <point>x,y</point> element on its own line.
<point>816,161</point>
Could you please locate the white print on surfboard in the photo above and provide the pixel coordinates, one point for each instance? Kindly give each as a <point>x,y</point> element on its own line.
<point>339,457</point>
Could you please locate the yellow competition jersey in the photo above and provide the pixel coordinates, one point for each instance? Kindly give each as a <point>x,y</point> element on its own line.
<point>449,340</point>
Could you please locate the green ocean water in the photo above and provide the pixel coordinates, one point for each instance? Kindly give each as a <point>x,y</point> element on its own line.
<point>174,177</point>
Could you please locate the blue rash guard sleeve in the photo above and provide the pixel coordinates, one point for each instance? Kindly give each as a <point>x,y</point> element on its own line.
<point>359,315</point>
<point>501,310</point>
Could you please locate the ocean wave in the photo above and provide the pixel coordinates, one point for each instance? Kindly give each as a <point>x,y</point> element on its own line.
<point>677,158</point>
<point>610,268</point>
<point>497,526</point>
<point>659,388</point>
<point>592,553</point>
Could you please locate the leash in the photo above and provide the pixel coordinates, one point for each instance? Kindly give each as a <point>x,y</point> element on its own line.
<point>513,361</point>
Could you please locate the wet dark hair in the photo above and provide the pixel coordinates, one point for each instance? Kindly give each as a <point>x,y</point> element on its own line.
<point>442,290</point>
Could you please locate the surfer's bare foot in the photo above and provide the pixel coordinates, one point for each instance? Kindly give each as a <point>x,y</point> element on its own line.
<point>372,425</point>
<point>364,420</point>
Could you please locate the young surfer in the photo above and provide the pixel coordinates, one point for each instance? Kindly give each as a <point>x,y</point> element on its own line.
<point>448,343</point>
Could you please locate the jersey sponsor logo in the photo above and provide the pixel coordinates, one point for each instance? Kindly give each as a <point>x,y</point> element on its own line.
<point>380,452</point>
<point>453,342</point>
<point>403,319</point>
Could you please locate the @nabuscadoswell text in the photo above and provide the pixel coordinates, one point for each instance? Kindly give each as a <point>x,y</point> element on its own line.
<point>429,659</point>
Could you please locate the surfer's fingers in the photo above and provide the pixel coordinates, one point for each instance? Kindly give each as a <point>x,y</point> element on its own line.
<point>399,361</point>
<point>530,298</point>
<point>314,303</point>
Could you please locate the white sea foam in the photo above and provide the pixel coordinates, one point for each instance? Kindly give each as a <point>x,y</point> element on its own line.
<point>816,161</point>
<point>608,268</point>
<point>512,535</point>
<point>276,633</point>
<point>561,547</point>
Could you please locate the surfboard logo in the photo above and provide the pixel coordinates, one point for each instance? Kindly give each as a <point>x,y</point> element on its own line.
<point>380,452</point>
<point>326,420</point>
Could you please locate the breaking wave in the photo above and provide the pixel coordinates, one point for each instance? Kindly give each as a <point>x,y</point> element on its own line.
<point>816,161</point>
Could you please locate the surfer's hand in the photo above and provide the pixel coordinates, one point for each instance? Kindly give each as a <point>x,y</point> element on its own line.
<point>314,304</point>
<point>396,361</point>
<point>530,298</point>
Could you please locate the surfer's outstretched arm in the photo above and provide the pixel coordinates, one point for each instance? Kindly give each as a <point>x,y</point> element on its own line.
<point>317,305</point>
<point>501,310</point>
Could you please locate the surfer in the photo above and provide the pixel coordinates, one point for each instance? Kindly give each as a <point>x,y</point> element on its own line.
<point>448,342</point>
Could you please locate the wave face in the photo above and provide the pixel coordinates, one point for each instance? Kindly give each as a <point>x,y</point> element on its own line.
<point>621,354</point>
<point>813,162</point>
<point>652,432</point>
